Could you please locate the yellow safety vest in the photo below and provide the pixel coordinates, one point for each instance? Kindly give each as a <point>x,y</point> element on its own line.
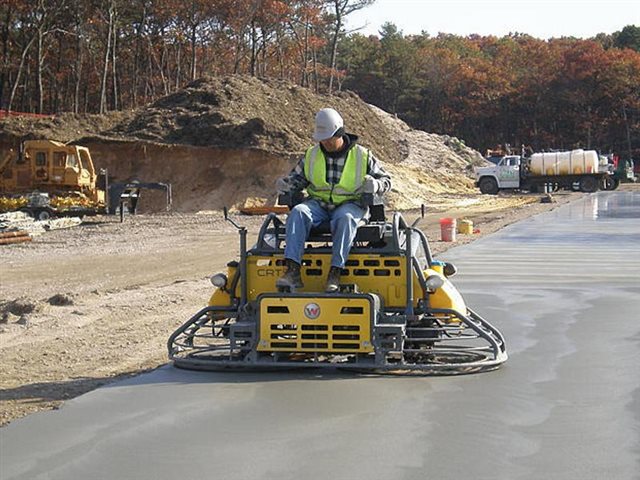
<point>351,179</point>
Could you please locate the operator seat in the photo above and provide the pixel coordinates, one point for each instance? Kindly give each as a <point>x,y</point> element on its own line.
<point>370,228</point>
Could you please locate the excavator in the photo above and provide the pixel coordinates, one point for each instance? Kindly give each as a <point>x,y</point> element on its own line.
<point>396,312</point>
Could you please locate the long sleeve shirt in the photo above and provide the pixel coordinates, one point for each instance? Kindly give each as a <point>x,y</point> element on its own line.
<point>335,165</point>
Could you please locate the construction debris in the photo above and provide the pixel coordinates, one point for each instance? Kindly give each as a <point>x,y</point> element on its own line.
<point>18,227</point>
<point>12,217</point>
<point>19,221</point>
<point>59,223</point>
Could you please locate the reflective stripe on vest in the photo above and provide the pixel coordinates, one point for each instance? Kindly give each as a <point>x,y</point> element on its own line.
<point>351,179</point>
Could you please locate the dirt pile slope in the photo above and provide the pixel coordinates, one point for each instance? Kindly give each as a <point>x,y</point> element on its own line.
<point>247,112</point>
<point>65,127</point>
<point>431,165</point>
<point>224,141</point>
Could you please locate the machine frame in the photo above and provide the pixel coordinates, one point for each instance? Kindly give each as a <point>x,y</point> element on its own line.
<point>250,325</point>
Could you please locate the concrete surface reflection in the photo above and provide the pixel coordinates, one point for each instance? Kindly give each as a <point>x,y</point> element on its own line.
<point>563,287</point>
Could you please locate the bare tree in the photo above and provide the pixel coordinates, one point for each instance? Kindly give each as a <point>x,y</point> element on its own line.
<point>111,14</point>
<point>7,16</point>
<point>79,18</point>
<point>41,19</point>
<point>341,9</point>
<point>113,66</point>
<point>307,13</point>
<point>140,26</point>
<point>194,14</point>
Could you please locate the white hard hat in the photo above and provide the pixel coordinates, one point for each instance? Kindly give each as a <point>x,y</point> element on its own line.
<point>328,122</point>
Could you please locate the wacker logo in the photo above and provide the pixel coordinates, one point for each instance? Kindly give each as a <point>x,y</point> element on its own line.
<point>312,310</point>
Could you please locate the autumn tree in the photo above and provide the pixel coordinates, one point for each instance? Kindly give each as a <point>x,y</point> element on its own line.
<point>98,55</point>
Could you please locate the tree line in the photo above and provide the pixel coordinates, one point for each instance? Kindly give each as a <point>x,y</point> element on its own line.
<point>94,56</point>
<point>560,93</point>
<point>89,56</point>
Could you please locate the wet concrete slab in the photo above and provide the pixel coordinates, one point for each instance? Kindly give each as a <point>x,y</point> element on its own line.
<point>563,287</point>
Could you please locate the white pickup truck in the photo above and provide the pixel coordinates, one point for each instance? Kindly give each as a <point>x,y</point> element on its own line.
<point>514,172</point>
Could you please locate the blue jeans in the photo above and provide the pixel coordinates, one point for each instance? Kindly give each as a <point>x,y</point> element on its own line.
<point>344,225</point>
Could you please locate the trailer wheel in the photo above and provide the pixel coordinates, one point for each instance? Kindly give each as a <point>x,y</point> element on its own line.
<point>488,185</point>
<point>43,214</point>
<point>588,184</point>
<point>609,183</point>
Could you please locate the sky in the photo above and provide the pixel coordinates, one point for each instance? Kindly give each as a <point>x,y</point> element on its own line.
<point>540,18</point>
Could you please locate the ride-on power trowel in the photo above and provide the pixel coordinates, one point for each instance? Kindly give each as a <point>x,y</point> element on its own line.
<point>396,310</point>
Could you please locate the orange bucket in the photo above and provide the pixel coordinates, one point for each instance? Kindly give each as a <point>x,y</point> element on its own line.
<point>448,229</point>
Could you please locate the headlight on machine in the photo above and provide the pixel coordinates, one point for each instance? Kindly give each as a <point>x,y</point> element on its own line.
<point>219,280</point>
<point>434,282</point>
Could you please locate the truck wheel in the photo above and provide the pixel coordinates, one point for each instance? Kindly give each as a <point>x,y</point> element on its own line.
<point>609,183</point>
<point>588,184</point>
<point>488,185</point>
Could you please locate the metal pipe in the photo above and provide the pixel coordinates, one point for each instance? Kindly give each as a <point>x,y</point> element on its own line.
<point>243,266</point>
<point>423,283</point>
<point>427,247</point>
<point>409,270</point>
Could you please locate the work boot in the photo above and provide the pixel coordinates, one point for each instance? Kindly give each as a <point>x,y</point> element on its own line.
<point>333,280</point>
<point>291,277</point>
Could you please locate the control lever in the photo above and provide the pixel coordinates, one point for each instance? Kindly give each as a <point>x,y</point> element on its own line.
<point>417,220</point>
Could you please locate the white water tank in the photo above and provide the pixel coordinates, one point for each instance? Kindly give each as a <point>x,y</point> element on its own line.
<point>575,162</point>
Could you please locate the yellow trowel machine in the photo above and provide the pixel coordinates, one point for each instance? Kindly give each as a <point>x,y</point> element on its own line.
<point>396,310</point>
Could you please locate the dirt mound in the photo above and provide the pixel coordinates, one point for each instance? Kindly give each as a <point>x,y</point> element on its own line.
<point>236,117</point>
<point>65,127</point>
<point>224,141</point>
<point>247,112</point>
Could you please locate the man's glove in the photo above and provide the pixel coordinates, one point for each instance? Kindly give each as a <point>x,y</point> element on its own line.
<point>283,185</point>
<point>371,185</point>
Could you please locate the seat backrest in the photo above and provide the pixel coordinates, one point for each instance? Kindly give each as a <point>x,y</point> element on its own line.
<point>370,229</point>
<point>376,213</point>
